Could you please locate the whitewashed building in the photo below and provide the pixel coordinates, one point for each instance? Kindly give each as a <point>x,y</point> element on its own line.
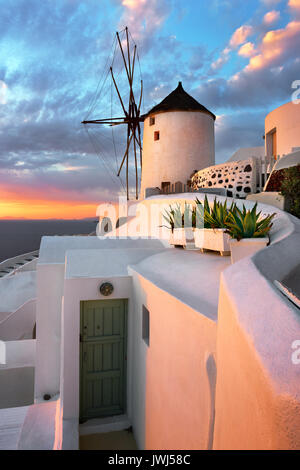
<point>190,350</point>
<point>179,139</point>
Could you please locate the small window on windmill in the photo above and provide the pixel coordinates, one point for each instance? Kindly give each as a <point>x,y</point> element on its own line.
<point>156,135</point>
<point>152,121</point>
<point>145,325</point>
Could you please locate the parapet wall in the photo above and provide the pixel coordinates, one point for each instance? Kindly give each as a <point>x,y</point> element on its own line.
<point>239,178</point>
<point>258,380</point>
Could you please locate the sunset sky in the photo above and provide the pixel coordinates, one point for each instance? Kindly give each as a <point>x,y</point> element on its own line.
<point>238,58</point>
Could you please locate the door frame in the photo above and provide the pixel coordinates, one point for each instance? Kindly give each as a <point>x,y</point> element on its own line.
<point>125,380</point>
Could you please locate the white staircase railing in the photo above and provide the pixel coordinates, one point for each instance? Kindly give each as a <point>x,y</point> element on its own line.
<point>265,166</point>
<point>16,263</point>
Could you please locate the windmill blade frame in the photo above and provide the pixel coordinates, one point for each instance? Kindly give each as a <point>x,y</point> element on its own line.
<point>132,117</point>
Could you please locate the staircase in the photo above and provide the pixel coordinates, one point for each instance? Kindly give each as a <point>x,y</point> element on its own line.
<point>15,264</point>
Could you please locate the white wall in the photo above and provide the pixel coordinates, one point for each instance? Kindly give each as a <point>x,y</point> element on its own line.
<point>186,144</point>
<point>50,282</point>
<point>258,383</point>
<point>20,352</point>
<point>17,385</point>
<point>20,323</point>
<point>235,177</point>
<point>173,378</point>
<point>17,373</point>
<point>139,373</point>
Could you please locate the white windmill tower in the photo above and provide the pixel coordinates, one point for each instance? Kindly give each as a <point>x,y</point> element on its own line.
<point>179,138</point>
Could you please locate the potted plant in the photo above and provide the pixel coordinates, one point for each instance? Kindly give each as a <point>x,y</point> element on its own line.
<point>180,225</point>
<point>210,226</point>
<point>249,232</point>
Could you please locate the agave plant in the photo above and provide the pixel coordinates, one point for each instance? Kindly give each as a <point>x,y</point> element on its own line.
<point>248,223</point>
<point>215,217</point>
<point>175,218</point>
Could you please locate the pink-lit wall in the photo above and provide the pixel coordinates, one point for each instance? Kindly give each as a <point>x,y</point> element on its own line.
<point>257,390</point>
<point>186,144</point>
<point>286,121</point>
<point>180,373</point>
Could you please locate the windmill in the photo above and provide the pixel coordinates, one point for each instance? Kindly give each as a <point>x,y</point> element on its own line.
<point>132,111</point>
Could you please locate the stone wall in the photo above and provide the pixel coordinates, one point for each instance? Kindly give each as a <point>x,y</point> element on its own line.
<point>238,178</point>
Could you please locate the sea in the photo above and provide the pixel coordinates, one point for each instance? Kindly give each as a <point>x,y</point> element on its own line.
<point>22,236</point>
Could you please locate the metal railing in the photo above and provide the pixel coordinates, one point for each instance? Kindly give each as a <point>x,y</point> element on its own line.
<point>265,166</point>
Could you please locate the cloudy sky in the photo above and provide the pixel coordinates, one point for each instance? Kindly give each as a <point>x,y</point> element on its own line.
<point>238,58</point>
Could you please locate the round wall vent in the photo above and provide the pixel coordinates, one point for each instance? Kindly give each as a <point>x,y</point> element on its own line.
<point>106,289</point>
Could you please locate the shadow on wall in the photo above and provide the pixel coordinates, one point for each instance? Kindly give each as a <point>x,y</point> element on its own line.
<point>211,370</point>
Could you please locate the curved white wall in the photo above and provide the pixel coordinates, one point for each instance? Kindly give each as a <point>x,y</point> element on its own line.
<point>239,177</point>
<point>286,121</point>
<point>258,380</point>
<point>186,143</point>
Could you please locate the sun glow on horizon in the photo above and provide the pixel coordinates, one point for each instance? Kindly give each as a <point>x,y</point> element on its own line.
<point>46,209</point>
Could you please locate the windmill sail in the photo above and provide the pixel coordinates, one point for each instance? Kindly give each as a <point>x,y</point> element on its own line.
<point>129,95</point>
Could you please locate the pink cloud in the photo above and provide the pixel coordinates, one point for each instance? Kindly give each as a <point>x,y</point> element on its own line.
<point>240,36</point>
<point>143,17</point>
<point>247,50</point>
<point>271,17</point>
<point>222,60</point>
<point>294,4</point>
<point>133,4</point>
<point>295,8</point>
<point>276,47</point>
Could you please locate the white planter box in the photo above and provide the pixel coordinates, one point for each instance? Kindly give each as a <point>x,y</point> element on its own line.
<point>182,237</point>
<point>212,239</point>
<point>246,247</point>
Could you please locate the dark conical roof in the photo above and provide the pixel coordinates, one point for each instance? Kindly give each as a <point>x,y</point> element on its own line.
<point>179,100</point>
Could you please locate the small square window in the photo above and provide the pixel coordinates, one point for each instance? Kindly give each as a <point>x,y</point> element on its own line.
<point>156,135</point>
<point>152,121</point>
<point>145,325</point>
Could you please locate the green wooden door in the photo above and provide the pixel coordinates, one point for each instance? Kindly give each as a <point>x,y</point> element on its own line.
<point>103,327</point>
